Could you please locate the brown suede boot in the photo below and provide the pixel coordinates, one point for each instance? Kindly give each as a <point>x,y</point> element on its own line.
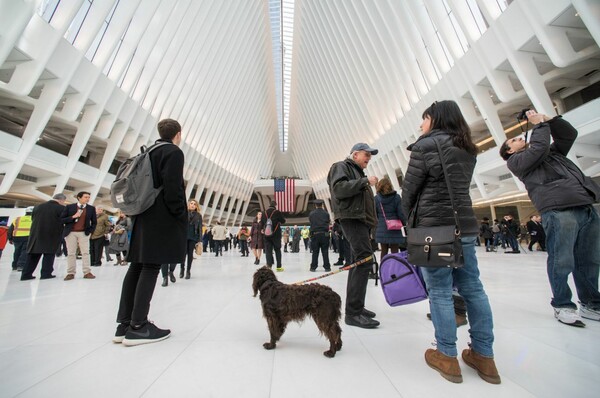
<point>485,367</point>
<point>447,366</point>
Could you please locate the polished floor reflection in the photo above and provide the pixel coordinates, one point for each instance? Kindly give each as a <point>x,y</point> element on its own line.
<point>55,339</point>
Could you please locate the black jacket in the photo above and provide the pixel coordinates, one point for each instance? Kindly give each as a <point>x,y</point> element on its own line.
<point>159,235</point>
<point>425,190</point>
<point>90,218</point>
<point>485,231</point>
<point>552,180</point>
<point>536,230</point>
<point>351,195</point>
<point>277,219</point>
<point>319,220</point>
<point>46,228</point>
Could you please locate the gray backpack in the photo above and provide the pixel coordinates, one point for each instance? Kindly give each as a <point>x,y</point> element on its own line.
<point>133,190</point>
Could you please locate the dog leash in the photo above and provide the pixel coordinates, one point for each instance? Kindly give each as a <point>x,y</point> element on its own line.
<point>337,271</point>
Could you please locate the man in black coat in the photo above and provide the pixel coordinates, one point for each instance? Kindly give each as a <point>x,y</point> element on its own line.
<point>319,235</point>
<point>45,237</point>
<point>273,242</point>
<point>536,231</point>
<point>159,236</point>
<point>354,206</point>
<point>80,222</point>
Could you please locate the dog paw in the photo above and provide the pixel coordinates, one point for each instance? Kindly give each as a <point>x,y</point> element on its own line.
<point>338,345</point>
<point>329,353</point>
<point>269,346</point>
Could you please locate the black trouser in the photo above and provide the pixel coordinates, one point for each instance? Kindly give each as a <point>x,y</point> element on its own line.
<point>96,246</point>
<point>357,234</point>
<point>219,247</point>
<point>191,246</point>
<point>20,254</point>
<point>535,239</point>
<point>320,241</point>
<point>305,243</point>
<point>244,247</point>
<point>344,250</point>
<point>62,248</point>
<point>273,243</point>
<point>138,288</point>
<point>166,268</point>
<point>296,245</point>
<point>32,262</point>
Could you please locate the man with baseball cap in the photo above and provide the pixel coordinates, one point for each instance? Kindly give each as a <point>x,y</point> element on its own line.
<point>353,206</point>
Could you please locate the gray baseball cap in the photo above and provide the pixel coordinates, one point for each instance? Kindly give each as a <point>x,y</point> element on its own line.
<point>361,146</point>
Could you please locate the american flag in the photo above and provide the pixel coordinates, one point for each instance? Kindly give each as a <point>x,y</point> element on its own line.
<point>285,195</point>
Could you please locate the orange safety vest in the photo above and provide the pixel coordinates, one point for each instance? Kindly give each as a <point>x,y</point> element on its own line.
<point>22,226</point>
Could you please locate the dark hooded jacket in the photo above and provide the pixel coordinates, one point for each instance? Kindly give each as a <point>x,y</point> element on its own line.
<point>552,180</point>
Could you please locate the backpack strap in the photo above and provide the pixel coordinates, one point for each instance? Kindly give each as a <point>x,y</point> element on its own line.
<point>269,217</point>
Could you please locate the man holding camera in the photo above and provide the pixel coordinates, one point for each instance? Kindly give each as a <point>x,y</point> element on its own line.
<point>564,196</point>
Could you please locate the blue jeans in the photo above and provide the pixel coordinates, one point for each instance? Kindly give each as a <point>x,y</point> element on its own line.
<point>439,283</point>
<point>573,246</point>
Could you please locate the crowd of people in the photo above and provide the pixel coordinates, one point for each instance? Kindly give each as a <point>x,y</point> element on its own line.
<point>435,192</point>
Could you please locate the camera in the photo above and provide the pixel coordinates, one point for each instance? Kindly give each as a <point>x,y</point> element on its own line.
<point>522,115</point>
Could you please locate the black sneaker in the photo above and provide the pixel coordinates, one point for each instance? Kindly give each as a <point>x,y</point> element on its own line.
<point>120,333</point>
<point>148,333</point>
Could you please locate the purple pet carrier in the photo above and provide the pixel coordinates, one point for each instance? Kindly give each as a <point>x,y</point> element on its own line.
<point>401,281</point>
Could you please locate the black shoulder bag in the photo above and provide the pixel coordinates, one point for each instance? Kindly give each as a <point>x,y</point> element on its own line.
<point>436,246</point>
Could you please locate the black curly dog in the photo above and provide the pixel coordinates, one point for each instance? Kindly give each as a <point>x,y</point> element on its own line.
<point>283,303</point>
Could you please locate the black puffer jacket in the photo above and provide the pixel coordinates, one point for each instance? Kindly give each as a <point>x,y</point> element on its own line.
<point>424,183</point>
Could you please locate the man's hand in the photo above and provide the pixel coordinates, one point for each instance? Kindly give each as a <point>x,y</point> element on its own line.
<point>536,118</point>
<point>373,180</point>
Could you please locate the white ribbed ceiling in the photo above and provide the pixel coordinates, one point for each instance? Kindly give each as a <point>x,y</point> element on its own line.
<point>83,83</point>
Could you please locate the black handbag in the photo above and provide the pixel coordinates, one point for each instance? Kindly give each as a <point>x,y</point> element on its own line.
<point>436,246</point>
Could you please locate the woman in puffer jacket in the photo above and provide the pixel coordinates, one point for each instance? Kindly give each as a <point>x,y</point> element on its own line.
<point>425,191</point>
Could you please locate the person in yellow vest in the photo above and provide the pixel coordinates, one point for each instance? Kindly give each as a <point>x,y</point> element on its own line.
<point>18,235</point>
<point>305,237</point>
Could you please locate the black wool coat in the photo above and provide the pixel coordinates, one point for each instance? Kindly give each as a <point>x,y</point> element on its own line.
<point>159,235</point>
<point>424,188</point>
<point>46,228</point>
<point>277,219</point>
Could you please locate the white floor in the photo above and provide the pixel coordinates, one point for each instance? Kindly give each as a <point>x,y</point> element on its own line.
<point>55,339</point>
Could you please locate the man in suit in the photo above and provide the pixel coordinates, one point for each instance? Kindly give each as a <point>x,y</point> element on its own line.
<point>536,231</point>
<point>151,245</point>
<point>80,222</point>
<point>45,237</point>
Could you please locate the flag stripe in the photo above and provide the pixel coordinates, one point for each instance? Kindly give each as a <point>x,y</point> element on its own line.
<point>285,194</point>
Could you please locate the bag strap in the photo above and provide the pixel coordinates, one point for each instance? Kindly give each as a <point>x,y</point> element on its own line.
<point>384,217</point>
<point>269,218</point>
<point>447,178</point>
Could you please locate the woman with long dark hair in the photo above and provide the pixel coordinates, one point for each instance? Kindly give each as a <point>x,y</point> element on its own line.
<point>193,235</point>
<point>257,234</point>
<point>425,190</point>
